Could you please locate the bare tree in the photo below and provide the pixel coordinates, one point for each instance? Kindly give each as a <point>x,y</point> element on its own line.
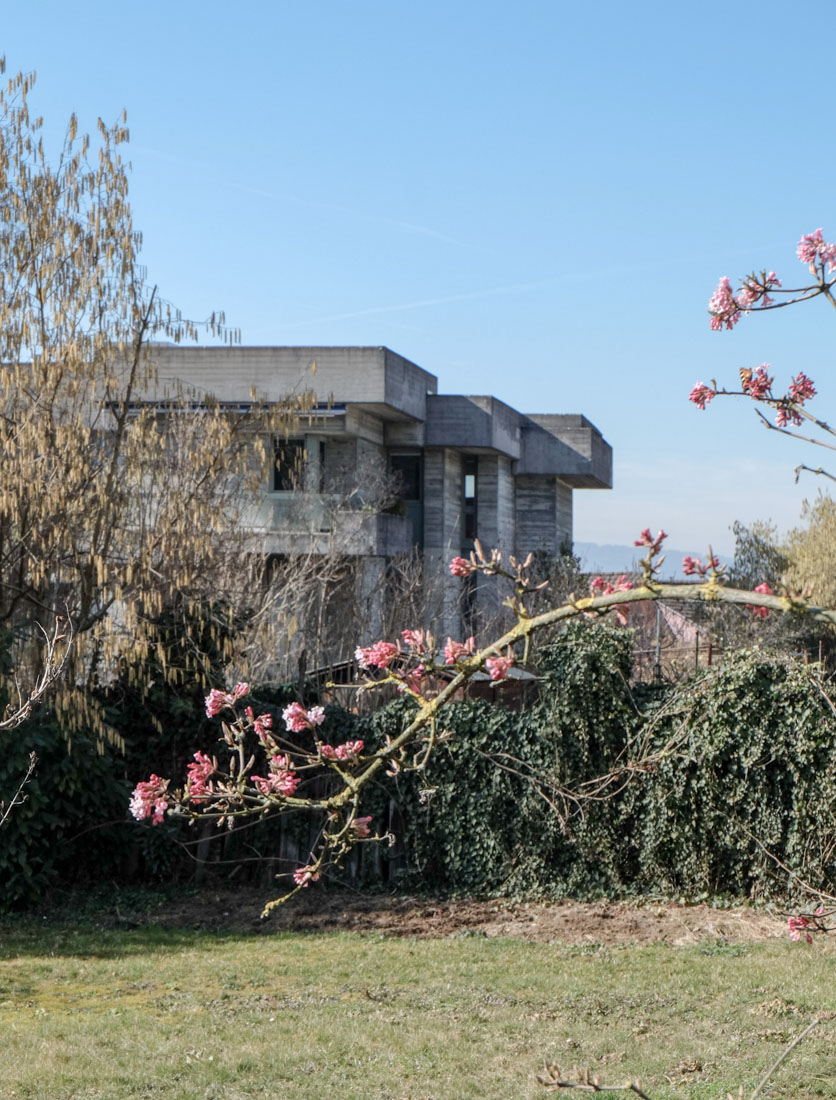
<point>117,497</point>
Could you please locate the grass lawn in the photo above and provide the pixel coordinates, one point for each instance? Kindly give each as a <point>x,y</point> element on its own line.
<point>89,1015</point>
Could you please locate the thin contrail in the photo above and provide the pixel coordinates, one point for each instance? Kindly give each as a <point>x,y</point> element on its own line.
<point>302,200</point>
<point>421,303</point>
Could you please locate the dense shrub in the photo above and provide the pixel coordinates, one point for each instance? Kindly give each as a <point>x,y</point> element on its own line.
<point>746,757</point>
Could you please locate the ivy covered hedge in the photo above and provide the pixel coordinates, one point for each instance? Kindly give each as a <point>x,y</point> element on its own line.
<point>750,764</point>
<point>748,761</point>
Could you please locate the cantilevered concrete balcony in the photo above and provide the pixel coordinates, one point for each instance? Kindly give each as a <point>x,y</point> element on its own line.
<point>321,523</point>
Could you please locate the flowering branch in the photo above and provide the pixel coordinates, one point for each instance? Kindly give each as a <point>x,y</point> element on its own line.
<point>309,773</point>
<point>754,294</point>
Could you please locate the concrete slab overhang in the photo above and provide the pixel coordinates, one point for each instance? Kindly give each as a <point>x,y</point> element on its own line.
<point>564,446</point>
<point>376,380</point>
<point>568,446</point>
<point>472,423</point>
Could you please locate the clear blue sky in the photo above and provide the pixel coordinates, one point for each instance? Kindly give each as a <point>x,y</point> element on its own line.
<point>533,200</point>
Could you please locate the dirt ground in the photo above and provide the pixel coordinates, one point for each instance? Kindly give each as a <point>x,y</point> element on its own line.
<point>566,921</point>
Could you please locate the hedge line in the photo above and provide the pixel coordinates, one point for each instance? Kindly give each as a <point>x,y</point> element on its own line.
<point>750,764</point>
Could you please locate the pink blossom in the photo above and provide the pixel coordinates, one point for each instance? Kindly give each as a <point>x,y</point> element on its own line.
<point>360,825</point>
<point>148,800</point>
<point>760,612</point>
<point>461,567</point>
<point>690,565</point>
<point>498,667</point>
<point>754,290</point>
<point>797,925</point>
<point>812,249</point>
<point>724,309</point>
<point>645,539</point>
<point>599,585</point>
<point>412,680</point>
<point>303,875</point>
<point>379,655</point>
<point>296,718</point>
<point>786,415</point>
<point>198,774</point>
<point>458,651</point>
<point>217,700</point>
<point>346,753</point>
<point>261,725</point>
<point>801,389</point>
<point>757,383</point>
<point>702,395</point>
<point>281,780</point>
<point>416,640</point>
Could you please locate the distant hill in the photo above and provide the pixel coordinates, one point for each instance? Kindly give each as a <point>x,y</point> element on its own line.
<point>597,558</point>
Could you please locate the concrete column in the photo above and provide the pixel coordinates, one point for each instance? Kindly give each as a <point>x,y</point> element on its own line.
<point>313,466</point>
<point>494,528</point>
<point>544,515</point>
<point>443,535</point>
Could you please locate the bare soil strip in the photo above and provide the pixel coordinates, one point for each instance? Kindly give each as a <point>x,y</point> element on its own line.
<point>569,922</point>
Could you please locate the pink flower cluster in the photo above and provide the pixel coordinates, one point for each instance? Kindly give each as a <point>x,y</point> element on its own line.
<point>498,667</point>
<point>760,612</point>
<point>600,587</point>
<point>459,651</point>
<point>198,775</point>
<point>296,718</point>
<point>797,925</point>
<point>702,395</point>
<point>462,567</point>
<point>754,291</point>
<point>801,388</point>
<point>757,383</point>
<point>813,249</point>
<point>303,875</point>
<point>723,307</point>
<point>413,680</point>
<point>361,826</point>
<point>262,725</point>
<point>691,566</point>
<point>646,539</point>
<point>281,780</point>
<point>346,753</point>
<point>419,641</point>
<point>379,655</point>
<point>786,415</point>
<point>217,700</point>
<point>148,800</point>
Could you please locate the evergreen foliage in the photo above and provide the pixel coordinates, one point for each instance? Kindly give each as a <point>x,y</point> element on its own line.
<point>745,756</point>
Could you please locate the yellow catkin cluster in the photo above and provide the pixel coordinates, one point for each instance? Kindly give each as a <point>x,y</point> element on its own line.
<point>117,502</point>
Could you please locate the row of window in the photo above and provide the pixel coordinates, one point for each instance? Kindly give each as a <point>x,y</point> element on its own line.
<point>406,469</point>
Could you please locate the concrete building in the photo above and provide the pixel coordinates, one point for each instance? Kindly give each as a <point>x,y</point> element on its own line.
<point>461,467</point>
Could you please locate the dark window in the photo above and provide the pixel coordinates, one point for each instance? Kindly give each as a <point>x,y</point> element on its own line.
<point>469,487</point>
<point>288,464</point>
<point>407,471</point>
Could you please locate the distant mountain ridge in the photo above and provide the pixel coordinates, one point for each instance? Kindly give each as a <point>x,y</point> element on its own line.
<point>609,558</point>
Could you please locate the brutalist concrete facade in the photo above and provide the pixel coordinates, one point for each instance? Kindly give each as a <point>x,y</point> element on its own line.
<point>465,466</point>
